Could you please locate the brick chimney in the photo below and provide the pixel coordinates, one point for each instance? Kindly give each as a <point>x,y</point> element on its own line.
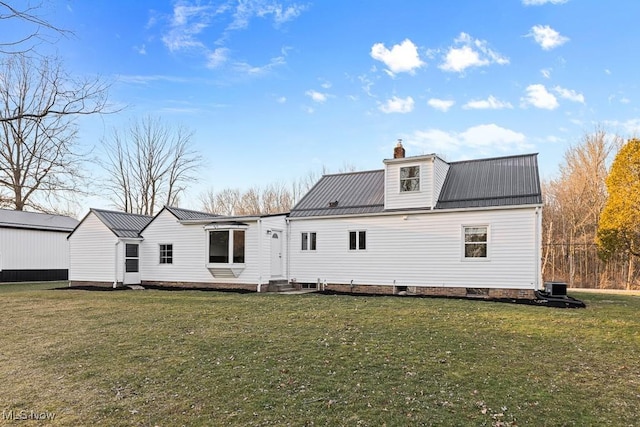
<point>398,152</point>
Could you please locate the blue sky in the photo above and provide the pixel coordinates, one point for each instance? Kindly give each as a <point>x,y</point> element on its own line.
<point>274,89</point>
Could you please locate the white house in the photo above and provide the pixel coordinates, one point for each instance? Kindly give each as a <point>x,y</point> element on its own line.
<point>422,225</point>
<point>178,247</point>
<point>196,249</point>
<point>33,246</point>
<point>104,248</point>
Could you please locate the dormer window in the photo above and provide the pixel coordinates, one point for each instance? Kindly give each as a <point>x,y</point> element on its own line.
<point>410,178</point>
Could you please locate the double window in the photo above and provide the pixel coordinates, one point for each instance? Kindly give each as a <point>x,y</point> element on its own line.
<point>226,246</point>
<point>410,178</point>
<point>166,253</point>
<point>309,241</point>
<point>357,240</point>
<point>476,240</point>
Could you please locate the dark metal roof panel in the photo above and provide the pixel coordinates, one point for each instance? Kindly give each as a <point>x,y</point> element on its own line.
<point>343,194</point>
<point>123,224</point>
<point>36,221</point>
<point>502,181</point>
<point>187,214</point>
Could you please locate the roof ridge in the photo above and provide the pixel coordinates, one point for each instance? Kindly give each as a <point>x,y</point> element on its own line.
<point>190,210</point>
<point>494,158</point>
<point>120,212</point>
<point>353,172</point>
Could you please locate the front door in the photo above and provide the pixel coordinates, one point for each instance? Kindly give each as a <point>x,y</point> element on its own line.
<point>276,254</point>
<point>131,264</point>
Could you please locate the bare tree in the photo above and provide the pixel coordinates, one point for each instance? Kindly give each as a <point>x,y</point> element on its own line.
<point>149,165</point>
<point>36,30</point>
<point>39,161</point>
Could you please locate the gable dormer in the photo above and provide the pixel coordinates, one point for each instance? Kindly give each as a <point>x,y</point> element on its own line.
<point>413,182</point>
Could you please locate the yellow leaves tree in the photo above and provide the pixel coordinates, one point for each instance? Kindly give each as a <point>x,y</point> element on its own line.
<point>619,225</point>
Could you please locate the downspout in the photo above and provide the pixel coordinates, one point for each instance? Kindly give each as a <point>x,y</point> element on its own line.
<point>260,250</point>
<point>538,243</point>
<point>115,264</point>
<point>288,248</point>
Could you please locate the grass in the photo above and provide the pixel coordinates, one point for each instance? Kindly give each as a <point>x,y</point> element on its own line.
<point>154,358</point>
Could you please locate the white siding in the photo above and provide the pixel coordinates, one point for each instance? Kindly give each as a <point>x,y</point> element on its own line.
<point>190,252</point>
<point>92,252</point>
<point>440,169</point>
<point>421,250</point>
<point>33,249</point>
<point>394,199</point>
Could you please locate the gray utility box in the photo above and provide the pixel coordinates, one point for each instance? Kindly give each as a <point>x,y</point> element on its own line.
<point>555,288</point>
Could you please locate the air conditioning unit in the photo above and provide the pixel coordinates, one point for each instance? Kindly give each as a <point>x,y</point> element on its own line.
<point>556,289</point>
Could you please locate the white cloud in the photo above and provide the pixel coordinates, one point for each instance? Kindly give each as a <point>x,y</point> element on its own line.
<point>316,96</point>
<point>441,104</point>
<point>547,37</point>
<point>186,23</point>
<point>491,103</point>
<point>546,73</point>
<point>541,2</point>
<point>470,53</point>
<point>539,97</point>
<point>217,57</point>
<point>401,58</point>
<point>481,139</point>
<point>142,50</point>
<point>569,94</point>
<point>607,71</point>
<point>252,70</point>
<point>281,99</point>
<point>248,9</point>
<point>397,105</point>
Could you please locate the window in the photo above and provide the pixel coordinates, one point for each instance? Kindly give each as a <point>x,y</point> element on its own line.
<point>309,241</point>
<point>131,258</point>
<point>410,178</point>
<point>166,253</point>
<point>475,242</point>
<point>225,245</point>
<point>357,240</point>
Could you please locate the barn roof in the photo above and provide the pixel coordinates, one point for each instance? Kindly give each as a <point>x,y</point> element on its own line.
<point>500,181</point>
<point>36,221</point>
<point>123,224</point>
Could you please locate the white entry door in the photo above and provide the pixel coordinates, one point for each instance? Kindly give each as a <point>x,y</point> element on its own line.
<point>131,264</point>
<point>276,254</point>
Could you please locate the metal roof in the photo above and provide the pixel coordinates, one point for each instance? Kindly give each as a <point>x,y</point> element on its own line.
<point>36,221</point>
<point>343,194</point>
<point>123,224</point>
<point>187,214</point>
<point>500,181</point>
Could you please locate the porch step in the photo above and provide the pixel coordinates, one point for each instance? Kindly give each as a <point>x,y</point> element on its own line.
<point>280,285</point>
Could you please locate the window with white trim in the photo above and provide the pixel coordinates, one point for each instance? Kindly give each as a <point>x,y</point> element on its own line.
<point>357,240</point>
<point>410,178</point>
<point>476,241</point>
<point>166,253</point>
<point>308,240</point>
<point>226,246</point>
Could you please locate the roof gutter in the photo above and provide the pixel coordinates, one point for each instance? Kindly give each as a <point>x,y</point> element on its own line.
<point>418,211</point>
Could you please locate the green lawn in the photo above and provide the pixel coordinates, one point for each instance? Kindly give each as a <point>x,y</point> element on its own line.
<point>154,358</point>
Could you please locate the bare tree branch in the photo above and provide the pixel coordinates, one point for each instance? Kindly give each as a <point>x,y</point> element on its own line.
<point>150,165</point>
<point>39,160</point>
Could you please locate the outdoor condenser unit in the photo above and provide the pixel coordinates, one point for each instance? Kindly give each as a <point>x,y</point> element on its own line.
<point>555,288</point>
